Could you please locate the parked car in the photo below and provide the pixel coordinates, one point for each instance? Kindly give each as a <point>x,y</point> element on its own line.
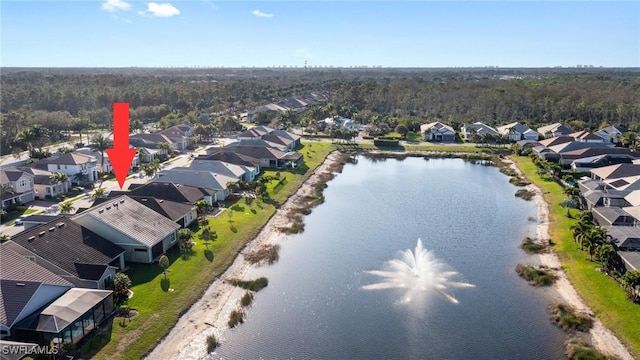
<point>20,219</point>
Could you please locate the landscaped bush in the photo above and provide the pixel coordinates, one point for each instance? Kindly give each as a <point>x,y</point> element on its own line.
<point>566,317</point>
<point>535,276</point>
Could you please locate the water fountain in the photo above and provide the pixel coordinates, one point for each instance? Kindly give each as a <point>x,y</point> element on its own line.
<point>418,273</point>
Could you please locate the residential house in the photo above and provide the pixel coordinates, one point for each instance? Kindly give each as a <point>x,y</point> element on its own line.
<point>143,233</point>
<point>199,179</point>
<point>21,191</point>
<point>437,131</point>
<point>517,131</point>
<point>553,130</point>
<point>240,172</point>
<point>479,129</point>
<point>268,157</point>
<point>43,184</point>
<point>587,137</point>
<point>611,216</point>
<point>181,135</point>
<point>336,122</point>
<point>632,258</point>
<point>265,136</point>
<point>69,318</point>
<point>105,166</point>
<point>625,238</point>
<point>148,145</point>
<point>25,287</point>
<point>182,214</point>
<point>231,157</point>
<point>567,157</point>
<point>293,103</point>
<point>604,198</point>
<point>71,164</point>
<point>611,134</point>
<point>267,108</point>
<point>32,221</point>
<point>615,171</point>
<point>72,252</point>
<point>588,163</point>
<point>168,191</point>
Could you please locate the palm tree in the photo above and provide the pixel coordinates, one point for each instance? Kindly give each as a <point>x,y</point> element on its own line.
<point>7,189</point>
<point>585,216</point>
<point>579,229</point>
<point>59,178</point>
<point>594,238</point>
<point>605,253</point>
<point>572,192</point>
<point>202,206</point>
<point>165,146</point>
<point>628,139</point>
<point>100,143</point>
<point>80,178</point>
<point>98,193</point>
<point>66,207</point>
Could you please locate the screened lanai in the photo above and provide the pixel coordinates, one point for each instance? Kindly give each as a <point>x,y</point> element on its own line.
<point>69,318</point>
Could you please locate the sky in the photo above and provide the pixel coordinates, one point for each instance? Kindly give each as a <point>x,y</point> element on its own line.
<point>341,33</point>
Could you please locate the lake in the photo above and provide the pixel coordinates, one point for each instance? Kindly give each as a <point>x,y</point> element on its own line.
<point>465,214</point>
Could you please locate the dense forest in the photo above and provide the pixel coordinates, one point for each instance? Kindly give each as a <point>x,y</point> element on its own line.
<point>75,99</point>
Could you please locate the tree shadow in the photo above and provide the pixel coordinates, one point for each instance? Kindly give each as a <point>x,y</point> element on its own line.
<point>234,229</point>
<point>253,211</point>
<point>165,284</point>
<point>208,254</point>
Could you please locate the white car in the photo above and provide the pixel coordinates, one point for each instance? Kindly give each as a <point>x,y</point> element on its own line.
<point>19,220</point>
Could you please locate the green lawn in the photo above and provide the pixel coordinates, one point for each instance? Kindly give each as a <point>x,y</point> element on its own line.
<point>159,310</point>
<point>605,298</point>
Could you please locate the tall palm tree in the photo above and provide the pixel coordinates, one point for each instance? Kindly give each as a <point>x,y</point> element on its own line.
<point>605,253</point>
<point>59,178</point>
<point>66,207</point>
<point>80,178</point>
<point>100,143</point>
<point>165,146</point>
<point>594,238</point>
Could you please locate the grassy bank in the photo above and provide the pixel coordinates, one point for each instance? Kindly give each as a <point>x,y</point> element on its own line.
<point>605,298</point>
<point>189,276</point>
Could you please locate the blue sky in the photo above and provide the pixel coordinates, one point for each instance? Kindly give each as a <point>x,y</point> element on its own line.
<point>120,33</point>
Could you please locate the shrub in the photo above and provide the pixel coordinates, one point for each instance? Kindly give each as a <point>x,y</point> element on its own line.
<point>246,299</point>
<point>525,194</point>
<point>236,317</point>
<point>535,276</point>
<point>577,349</point>
<point>566,317</point>
<point>253,285</point>
<point>531,247</point>
<point>212,343</point>
<point>268,253</point>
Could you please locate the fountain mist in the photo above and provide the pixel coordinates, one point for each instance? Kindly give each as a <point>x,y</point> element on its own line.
<point>419,273</point>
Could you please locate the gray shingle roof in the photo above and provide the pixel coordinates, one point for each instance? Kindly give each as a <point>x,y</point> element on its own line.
<point>66,244</point>
<point>169,191</point>
<point>14,266</point>
<point>131,218</point>
<point>173,211</point>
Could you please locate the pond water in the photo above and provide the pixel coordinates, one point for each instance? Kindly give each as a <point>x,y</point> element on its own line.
<point>468,218</point>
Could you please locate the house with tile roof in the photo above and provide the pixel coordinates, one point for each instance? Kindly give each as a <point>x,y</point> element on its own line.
<point>230,157</point>
<point>167,190</point>
<point>587,137</point>
<point>615,171</point>
<point>143,233</point>
<point>22,187</point>
<point>25,287</point>
<point>71,251</point>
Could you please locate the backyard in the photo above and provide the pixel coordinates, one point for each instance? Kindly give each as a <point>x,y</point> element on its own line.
<point>158,308</point>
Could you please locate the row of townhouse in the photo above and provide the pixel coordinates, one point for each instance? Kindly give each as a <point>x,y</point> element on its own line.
<point>612,194</point>
<point>290,103</point>
<point>437,131</point>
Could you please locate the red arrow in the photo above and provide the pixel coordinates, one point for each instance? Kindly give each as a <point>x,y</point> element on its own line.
<point>121,155</point>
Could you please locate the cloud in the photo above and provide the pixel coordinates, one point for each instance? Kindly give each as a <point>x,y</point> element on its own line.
<point>304,53</point>
<point>160,10</point>
<point>259,13</point>
<point>115,5</point>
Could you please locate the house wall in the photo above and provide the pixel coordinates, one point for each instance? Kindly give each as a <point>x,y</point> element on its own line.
<point>89,169</point>
<point>530,136</point>
<point>169,241</point>
<point>23,184</point>
<point>53,190</point>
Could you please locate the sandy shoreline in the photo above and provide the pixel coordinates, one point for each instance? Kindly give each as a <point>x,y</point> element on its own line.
<point>601,338</point>
<point>209,315</point>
